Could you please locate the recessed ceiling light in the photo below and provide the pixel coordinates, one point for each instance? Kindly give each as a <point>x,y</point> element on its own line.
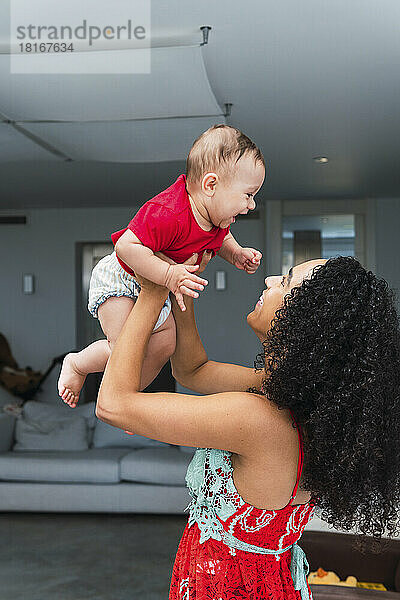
<point>321,159</point>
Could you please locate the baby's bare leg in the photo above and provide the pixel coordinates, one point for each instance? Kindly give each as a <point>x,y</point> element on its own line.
<point>76,365</point>
<point>112,318</point>
<point>159,350</point>
<point>93,359</point>
<point>161,343</point>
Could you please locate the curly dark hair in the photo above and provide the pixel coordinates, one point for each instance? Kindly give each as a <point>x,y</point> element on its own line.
<point>332,356</point>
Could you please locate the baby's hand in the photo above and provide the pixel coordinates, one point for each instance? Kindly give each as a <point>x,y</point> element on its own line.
<point>248,260</point>
<point>180,279</point>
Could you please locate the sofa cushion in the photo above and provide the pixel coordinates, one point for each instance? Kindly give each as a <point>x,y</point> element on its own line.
<point>89,466</point>
<point>165,466</point>
<point>59,435</point>
<point>108,436</point>
<point>44,411</point>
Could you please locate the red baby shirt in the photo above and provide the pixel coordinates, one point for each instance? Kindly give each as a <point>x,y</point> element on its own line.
<point>166,224</point>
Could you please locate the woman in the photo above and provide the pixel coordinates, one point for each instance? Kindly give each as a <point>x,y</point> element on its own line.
<point>331,365</point>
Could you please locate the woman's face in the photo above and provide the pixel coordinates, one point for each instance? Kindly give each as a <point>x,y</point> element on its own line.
<point>272,297</point>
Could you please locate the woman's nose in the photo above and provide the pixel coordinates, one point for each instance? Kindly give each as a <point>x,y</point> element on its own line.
<point>251,204</point>
<point>271,281</point>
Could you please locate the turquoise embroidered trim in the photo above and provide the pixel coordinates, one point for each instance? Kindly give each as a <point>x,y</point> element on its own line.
<point>299,567</point>
<point>206,498</point>
<point>234,542</point>
<point>205,487</point>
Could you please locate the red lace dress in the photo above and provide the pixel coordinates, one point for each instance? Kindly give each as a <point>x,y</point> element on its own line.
<point>233,550</point>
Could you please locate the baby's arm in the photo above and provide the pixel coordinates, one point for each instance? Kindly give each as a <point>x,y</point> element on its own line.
<point>229,249</point>
<point>246,259</point>
<point>141,259</point>
<point>178,278</point>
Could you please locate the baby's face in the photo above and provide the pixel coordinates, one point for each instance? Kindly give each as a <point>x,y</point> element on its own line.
<point>235,195</point>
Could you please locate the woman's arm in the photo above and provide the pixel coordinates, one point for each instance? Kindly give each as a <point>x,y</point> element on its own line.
<point>190,364</point>
<point>192,368</point>
<point>227,421</point>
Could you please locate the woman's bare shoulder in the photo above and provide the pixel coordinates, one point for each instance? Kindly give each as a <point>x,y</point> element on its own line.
<point>271,425</point>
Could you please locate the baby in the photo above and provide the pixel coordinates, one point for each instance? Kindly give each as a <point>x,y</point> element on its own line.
<point>224,171</point>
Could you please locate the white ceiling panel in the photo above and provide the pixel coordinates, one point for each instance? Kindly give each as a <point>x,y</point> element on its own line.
<point>16,146</point>
<point>132,141</point>
<point>305,79</point>
<point>177,86</point>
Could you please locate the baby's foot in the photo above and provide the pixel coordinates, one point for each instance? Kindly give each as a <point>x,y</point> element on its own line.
<point>71,380</point>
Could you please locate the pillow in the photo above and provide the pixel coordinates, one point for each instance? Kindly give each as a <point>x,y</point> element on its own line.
<point>67,434</point>
<point>108,436</point>
<point>44,411</point>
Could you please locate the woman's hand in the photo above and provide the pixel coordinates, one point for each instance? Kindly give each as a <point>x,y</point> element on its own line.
<point>207,256</point>
<point>151,287</point>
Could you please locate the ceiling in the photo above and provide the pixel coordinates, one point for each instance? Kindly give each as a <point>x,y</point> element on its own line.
<point>305,79</point>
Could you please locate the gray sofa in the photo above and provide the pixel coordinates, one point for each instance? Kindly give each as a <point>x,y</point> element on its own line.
<point>57,459</point>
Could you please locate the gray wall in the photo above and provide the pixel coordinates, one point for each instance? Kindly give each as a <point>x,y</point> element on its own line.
<point>387,221</point>
<point>42,325</point>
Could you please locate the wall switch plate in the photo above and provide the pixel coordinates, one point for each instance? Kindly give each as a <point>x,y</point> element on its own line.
<point>220,280</point>
<point>28,284</point>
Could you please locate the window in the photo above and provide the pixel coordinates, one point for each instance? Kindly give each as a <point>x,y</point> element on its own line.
<point>299,230</point>
<point>316,236</point>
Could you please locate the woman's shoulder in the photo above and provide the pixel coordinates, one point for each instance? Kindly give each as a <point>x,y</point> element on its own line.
<point>264,406</point>
<point>270,454</point>
<point>269,421</point>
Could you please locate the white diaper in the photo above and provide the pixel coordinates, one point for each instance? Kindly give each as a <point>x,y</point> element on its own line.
<point>110,279</point>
